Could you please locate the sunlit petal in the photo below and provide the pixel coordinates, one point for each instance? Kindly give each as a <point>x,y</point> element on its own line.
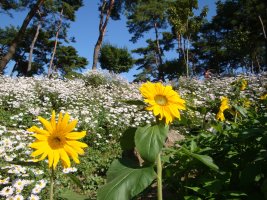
<point>162,100</point>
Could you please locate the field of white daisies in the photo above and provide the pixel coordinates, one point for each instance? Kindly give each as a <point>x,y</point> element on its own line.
<point>215,148</point>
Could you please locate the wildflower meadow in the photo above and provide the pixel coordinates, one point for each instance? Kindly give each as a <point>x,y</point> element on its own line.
<point>100,137</point>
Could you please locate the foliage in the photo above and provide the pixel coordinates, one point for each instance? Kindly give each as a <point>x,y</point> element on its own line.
<point>229,42</point>
<point>237,149</point>
<point>115,59</point>
<point>68,61</point>
<point>205,167</point>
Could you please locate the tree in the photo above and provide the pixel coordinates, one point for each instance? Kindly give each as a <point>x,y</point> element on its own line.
<point>234,38</point>
<point>5,59</point>
<point>43,28</point>
<point>108,9</point>
<point>7,5</point>
<point>68,62</point>
<point>148,63</point>
<point>115,59</point>
<point>66,10</point>
<point>144,16</point>
<point>185,25</point>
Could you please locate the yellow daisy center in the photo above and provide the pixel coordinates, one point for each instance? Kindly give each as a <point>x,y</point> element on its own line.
<point>56,142</point>
<point>161,100</point>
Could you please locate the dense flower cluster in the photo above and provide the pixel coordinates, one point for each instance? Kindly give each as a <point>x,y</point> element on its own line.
<point>98,102</point>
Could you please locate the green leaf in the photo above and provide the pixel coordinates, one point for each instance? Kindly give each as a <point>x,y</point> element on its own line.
<point>264,188</point>
<point>234,194</point>
<point>193,146</point>
<point>127,139</point>
<point>70,195</point>
<point>207,160</point>
<point>192,198</point>
<point>149,141</point>
<point>198,190</point>
<point>241,110</point>
<point>75,180</point>
<point>125,181</point>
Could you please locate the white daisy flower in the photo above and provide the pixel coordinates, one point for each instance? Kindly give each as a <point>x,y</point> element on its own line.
<point>7,191</point>
<point>33,197</point>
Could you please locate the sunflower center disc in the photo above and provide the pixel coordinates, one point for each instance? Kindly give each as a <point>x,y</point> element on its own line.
<point>161,100</point>
<point>56,142</point>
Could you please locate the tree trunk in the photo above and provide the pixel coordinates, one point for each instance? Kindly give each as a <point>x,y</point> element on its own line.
<point>102,30</point>
<point>32,46</point>
<point>55,46</point>
<point>159,53</point>
<point>19,36</point>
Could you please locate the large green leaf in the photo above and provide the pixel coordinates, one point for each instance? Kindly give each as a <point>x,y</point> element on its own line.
<point>241,110</point>
<point>127,139</point>
<point>125,181</point>
<point>207,160</point>
<point>70,195</point>
<point>75,180</point>
<point>149,141</point>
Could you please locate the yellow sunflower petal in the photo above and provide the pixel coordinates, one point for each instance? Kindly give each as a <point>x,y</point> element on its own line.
<point>50,158</point>
<point>49,142</point>
<point>59,128</point>
<point>37,152</point>
<point>167,116</point>
<point>46,124</point>
<point>64,156</point>
<point>163,101</point>
<point>56,159</point>
<point>53,120</point>
<point>76,143</point>
<point>65,120</point>
<point>35,129</point>
<point>40,137</point>
<point>78,149</point>
<point>43,156</point>
<point>72,153</point>
<point>70,126</point>
<point>37,144</point>
<point>174,111</point>
<point>75,135</point>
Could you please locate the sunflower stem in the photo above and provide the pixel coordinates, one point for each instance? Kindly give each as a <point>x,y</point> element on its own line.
<point>159,177</point>
<point>52,183</point>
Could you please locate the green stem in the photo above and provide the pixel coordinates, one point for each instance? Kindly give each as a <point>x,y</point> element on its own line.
<point>159,177</point>
<point>52,184</point>
<point>235,116</point>
<point>204,121</point>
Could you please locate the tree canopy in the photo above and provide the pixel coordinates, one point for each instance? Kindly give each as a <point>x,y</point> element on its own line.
<point>234,39</point>
<point>115,59</point>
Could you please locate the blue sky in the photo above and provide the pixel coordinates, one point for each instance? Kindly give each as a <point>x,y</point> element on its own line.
<point>85,30</point>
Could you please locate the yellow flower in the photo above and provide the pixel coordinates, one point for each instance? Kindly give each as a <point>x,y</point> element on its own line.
<point>223,107</point>
<point>247,103</point>
<point>57,141</point>
<point>262,97</point>
<point>244,84</point>
<point>220,116</point>
<point>162,100</point>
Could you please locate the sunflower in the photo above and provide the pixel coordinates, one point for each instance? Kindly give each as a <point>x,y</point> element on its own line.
<point>224,105</point>
<point>244,84</point>
<point>57,141</point>
<point>162,100</point>
<point>263,97</point>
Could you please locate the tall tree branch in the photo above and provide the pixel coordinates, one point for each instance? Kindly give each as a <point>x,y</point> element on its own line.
<point>19,36</point>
